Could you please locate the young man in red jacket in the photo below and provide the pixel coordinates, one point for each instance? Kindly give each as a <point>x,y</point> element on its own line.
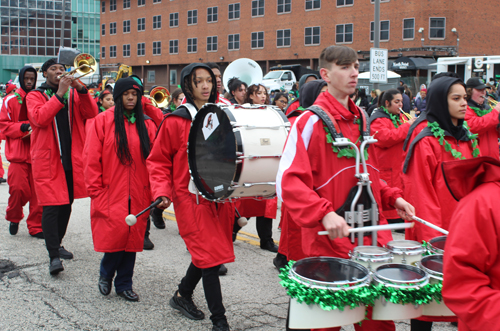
<point>314,182</point>
<point>17,151</point>
<point>57,114</point>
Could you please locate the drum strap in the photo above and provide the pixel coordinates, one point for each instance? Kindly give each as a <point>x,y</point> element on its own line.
<point>192,110</point>
<point>330,122</point>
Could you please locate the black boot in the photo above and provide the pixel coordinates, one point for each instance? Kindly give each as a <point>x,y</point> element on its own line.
<point>236,228</point>
<point>280,261</point>
<point>148,244</point>
<point>156,216</point>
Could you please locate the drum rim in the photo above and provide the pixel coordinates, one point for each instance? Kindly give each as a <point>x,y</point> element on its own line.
<point>365,281</point>
<point>401,283</point>
<point>417,250</point>
<point>435,249</point>
<point>357,255</point>
<point>432,273</point>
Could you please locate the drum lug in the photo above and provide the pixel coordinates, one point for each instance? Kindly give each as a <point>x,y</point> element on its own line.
<point>238,161</point>
<point>250,157</point>
<point>239,154</point>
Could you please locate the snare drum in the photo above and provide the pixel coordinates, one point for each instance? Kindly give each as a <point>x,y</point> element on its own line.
<point>401,276</point>
<point>371,256</point>
<point>433,265</point>
<point>436,245</point>
<point>234,151</point>
<point>405,251</point>
<point>329,273</point>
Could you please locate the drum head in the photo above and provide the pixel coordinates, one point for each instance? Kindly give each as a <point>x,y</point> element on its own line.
<point>438,244</point>
<point>400,273</point>
<point>433,264</point>
<point>371,251</point>
<point>212,152</point>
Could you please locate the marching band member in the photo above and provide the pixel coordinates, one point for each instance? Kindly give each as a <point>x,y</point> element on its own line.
<point>17,151</point>
<point>238,90</point>
<point>388,127</point>
<point>116,148</point>
<point>205,226</point>
<point>481,118</point>
<point>313,181</point>
<point>175,100</point>
<point>105,101</point>
<point>57,114</point>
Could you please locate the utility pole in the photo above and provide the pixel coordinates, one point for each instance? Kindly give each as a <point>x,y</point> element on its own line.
<point>376,31</point>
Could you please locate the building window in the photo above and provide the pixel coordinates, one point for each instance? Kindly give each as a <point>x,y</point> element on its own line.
<point>373,1</point>
<point>408,28</point>
<point>257,8</point>
<point>103,52</point>
<point>126,26</point>
<point>103,7</point>
<point>126,50</point>
<point>343,33</point>
<point>112,28</point>
<point>112,51</point>
<point>437,27</point>
<point>112,5</point>
<point>156,22</point>
<point>141,24</point>
<point>233,42</point>
<point>257,40</point>
<point>212,14</point>
<point>174,47</point>
<point>312,35</point>
<point>156,47</point>
<point>212,44</point>
<point>234,11</point>
<point>141,3</point>
<point>141,49</point>
<point>342,3</point>
<point>384,30</point>
<point>283,38</point>
<point>284,6</point>
<point>126,4</point>
<point>313,4</point>
<point>193,17</point>
<point>103,29</point>
<point>174,20</point>
<point>173,77</point>
<point>151,76</point>
<point>156,1</point>
<point>192,45</point>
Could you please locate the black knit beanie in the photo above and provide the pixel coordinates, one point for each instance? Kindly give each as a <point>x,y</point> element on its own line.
<point>124,84</point>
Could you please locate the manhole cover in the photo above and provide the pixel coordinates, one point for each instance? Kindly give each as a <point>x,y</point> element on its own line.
<point>6,266</point>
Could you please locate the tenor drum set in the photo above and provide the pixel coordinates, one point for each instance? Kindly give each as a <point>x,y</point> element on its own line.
<point>403,266</point>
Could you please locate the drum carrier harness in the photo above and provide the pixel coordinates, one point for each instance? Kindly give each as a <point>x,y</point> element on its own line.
<point>360,206</point>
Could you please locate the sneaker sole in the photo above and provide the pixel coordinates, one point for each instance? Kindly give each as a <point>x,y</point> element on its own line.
<point>66,257</point>
<point>183,311</point>
<point>56,271</point>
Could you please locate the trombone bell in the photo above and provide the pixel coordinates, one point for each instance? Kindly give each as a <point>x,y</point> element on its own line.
<point>84,64</point>
<point>161,96</point>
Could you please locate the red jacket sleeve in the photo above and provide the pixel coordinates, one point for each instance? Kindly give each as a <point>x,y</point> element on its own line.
<point>471,267</point>
<point>92,157</point>
<point>388,195</point>
<point>387,134</point>
<point>155,113</point>
<point>87,106</point>
<point>8,127</point>
<point>295,179</point>
<point>482,124</point>
<point>40,111</point>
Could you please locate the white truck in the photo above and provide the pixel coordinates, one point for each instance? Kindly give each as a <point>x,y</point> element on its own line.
<point>285,76</point>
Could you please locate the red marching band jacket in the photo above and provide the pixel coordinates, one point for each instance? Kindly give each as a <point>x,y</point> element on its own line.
<point>487,129</point>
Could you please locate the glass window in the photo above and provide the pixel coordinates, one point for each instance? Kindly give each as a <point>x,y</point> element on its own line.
<point>156,47</point>
<point>408,28</point>
<point>141,24</point>
<point>192,17</point>
<point>384,30</point>
<point>112,28</point>
<point>141,3</point>
<point>341,3</point>
<point>126,5</point>
<point>157,22</point>
<point>151,76</point>
<point>283,38</point>
<point>257,8</point>
<point>212,15</point>
<point>233,42</point>
<point>141,49</point>
<point>234,11</point>
<point>112,51</point>
<point>212,44</point>
<point>126,50</point>
<point>174,46</point>
<point>103,6</point>
<point>173,77</point>
<point>112,5</point>
<point>192,46</point>
<point>313,4</point>
<point>257,40</point>
<point>103,29</point>
<point>156,1</point>
<point>343,33</point>
<point>437,27</point>
<point>174,20</point>
<point>312,35</point>
<point>126,26</point>
<point>284,6</point>
<point>103,52</point>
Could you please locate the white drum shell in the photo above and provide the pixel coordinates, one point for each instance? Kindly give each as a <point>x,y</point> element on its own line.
<point>437,309</point>
<point>385,310</point>
<point>365,256</point>
<point>409,259</point>
<point>304,316</point>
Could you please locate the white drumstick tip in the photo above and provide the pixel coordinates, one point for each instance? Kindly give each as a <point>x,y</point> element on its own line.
<point>242,221</point>
<point>130,220</point>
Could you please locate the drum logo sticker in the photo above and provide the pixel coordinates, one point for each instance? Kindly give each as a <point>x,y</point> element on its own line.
<point>218,188</point>
<point>210,123</point>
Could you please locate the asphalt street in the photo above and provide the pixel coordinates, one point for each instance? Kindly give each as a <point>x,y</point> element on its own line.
<point>32,299</point>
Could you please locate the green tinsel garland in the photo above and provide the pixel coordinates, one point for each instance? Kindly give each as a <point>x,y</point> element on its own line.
<point>439,133</point>
<point>19,98</point>
<point>419,296</point>
<point>49,93</point>
<point>481,112</point>
<point>347,152</point>
<point>396,120</point>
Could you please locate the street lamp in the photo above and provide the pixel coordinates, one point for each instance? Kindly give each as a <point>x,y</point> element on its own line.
<point>454,30</point>
<point>421,31</point>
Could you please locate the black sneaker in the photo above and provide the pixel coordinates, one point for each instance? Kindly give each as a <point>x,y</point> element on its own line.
<point>38,235</point>
<point>220,325</point>
<point>55,266</point>
<point>3,180</point>
<point>148,244</point>
<point>222,270</point>
<point>157,219</point>
<point>13,228</point>
<point>269,246</point>
<point>186,306</point>
<point>64,254</point>
<point>280,261</point>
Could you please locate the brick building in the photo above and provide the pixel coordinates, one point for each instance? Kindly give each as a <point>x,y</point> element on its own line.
<point>159,37</point>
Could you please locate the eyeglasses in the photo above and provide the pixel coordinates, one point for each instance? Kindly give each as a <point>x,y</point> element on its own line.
<point>282,101</point>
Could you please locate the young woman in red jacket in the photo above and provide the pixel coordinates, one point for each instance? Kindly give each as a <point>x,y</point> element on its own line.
<point>117,145</point>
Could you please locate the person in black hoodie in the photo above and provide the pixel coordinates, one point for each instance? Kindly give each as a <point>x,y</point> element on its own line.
<point>205,226</point>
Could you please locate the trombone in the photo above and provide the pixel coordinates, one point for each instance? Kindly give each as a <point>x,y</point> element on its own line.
<point>84,64</point>
<point>406,117</point>
<point>493,103</point>
<point>159,96</point>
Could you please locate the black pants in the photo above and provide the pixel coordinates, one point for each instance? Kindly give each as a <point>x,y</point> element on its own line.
<point>211,286</point>
<point>122,263</point>
<point>264,227</point>
<point>55,221</point>
<point>417,325</point>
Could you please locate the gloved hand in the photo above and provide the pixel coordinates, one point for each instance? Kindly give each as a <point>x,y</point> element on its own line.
<point>25,127</point>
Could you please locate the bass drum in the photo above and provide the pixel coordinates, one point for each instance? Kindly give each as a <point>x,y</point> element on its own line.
<point>234,151</point>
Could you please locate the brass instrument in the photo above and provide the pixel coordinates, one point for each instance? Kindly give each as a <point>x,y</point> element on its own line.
<point>406,117</point>
<point>84,64</point>
<point>161,96</point>
<point>492,102</point>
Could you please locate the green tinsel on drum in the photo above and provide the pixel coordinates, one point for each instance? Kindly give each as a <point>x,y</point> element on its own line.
<point>415,296</point>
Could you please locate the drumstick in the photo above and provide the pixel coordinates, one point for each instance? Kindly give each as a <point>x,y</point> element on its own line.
<point>435,227</point>
<point>396,226</point>
<point>242,221</point>
<point>132,219</point>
